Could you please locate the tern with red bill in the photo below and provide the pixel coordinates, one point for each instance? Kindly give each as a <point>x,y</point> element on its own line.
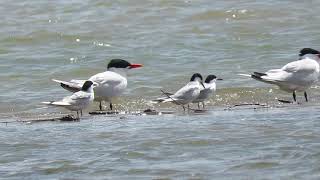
<point>111,83</point>
<point>294,76</point>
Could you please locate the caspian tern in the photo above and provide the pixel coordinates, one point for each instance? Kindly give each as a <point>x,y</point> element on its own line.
<point>77,101</point>
<point>111,83</point>
<point>210,89</point>
<point>186,94</point>
<point>294,76</point>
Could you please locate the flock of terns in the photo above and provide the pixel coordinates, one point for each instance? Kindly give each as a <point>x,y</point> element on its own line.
<point>296,76</point>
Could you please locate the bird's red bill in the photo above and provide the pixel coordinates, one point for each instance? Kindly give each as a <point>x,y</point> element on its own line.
<point>136,65</point>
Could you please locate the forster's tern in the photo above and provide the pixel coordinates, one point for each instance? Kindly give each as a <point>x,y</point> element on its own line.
<point>210,89</point>
<point>294,76</point>
<point>111,83</point>
<point>77,101</point>
<point>186,94</point>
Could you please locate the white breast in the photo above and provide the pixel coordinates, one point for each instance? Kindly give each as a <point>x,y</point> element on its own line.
<point>110,84</point>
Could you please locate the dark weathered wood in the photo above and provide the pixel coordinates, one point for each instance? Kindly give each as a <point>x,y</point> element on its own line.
<point>103,112</point>
<point>64,118</point>
<point>285,101</point>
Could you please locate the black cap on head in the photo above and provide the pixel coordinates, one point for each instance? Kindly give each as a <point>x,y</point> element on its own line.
<point>305,51</point>
<point>210,78</point>
<point>118,63</point>
<point>196,75</point>
<point>86,85</point>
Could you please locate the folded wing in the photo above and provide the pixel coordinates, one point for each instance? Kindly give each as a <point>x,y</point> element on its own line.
<point>72,86</point>
<point>297,72</point>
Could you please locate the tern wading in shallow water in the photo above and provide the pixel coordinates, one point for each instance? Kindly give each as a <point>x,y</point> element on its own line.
<point>294,76</point>
<point>210,89</point>
<point>186,94</point>
<point>77,101</point>
<point>111,83</point>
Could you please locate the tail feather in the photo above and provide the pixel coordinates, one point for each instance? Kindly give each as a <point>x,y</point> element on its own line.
<point>167,100</point>
<point>159,100</point>
<point>263,78</point>
<point>164,99</point>
<point>56,103</point>
<point>260,77</point>
<point>246,75</point>
<point>259,74</point>
<point>257,77</point>
<point>168,93</point>
<point>47,102</point>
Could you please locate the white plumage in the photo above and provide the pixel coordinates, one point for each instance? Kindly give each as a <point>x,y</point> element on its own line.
<point>77,101</point>
<point>111,83</point>
<point>294,76</point>
<point>186,94</point>
<point>209,90</point>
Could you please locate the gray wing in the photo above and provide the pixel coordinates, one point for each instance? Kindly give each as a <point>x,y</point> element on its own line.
<point>183,92</point>
<point>72,86</point>
<point>77,97</point>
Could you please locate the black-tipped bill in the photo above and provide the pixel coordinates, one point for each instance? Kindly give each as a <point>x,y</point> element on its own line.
<point>202,84</point>
<point>211,77</point>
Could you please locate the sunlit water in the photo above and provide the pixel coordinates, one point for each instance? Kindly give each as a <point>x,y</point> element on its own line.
<point>41,40</point>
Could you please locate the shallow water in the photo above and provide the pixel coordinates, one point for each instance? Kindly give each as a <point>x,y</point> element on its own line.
<point>173,39</point>
<point>246,143</point>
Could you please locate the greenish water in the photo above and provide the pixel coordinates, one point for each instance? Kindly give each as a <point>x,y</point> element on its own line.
<point>41,40</point>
